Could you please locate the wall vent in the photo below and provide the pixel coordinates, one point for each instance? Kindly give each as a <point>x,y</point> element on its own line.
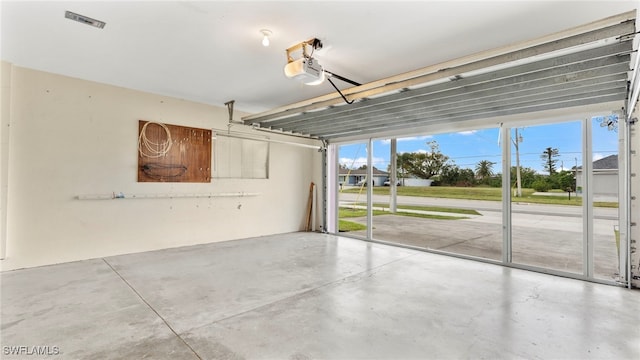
<point>84,19</point>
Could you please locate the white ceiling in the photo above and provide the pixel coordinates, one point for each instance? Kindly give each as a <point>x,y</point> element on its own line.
<point>211,52</point>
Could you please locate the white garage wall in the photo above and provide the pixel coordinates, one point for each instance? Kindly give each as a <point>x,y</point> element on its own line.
<point>72,137</point>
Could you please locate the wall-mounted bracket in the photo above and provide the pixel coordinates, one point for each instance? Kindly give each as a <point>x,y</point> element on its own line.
<point>229,105</point>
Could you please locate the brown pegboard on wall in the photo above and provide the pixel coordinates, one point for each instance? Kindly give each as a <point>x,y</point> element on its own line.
<point>172,153</point>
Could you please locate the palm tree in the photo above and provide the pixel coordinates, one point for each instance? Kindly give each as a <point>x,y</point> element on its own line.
<point>484,169</point>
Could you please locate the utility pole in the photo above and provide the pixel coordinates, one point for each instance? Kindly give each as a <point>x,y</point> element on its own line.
<point>516,141</point>
<point>575,177</point>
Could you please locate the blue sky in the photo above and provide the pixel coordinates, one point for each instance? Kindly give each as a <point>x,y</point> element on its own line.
<point>467,148</point>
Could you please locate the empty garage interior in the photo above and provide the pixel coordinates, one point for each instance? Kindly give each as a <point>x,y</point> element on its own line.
<point>319,180</point>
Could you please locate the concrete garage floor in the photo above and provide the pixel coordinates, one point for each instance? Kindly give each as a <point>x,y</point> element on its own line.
<point>311,296</point>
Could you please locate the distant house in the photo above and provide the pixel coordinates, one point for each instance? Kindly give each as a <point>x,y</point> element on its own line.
<point>355,177</point>
<point>413,181</point>
<point>605,176</point>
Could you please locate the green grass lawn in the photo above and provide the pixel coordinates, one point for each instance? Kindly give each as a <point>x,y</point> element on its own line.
<point>345,212</point>
<point>481,193</point>
<point>344,225</point>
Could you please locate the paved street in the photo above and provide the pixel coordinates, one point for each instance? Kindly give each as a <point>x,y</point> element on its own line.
<point>480,205</point>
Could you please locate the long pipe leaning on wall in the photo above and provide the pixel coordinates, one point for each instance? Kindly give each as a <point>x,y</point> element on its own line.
<point>162,196</point>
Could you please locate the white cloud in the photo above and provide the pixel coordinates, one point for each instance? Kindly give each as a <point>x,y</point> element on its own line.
<point>419,151</point>
<point>378,162</point>
<point>411,138</point>
<point>598,156</point>
<point>470,132</point>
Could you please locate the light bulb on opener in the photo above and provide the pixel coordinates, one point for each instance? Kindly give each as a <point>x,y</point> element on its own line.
<point>265,40</point>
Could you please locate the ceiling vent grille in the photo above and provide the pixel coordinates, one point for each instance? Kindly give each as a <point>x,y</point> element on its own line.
<point>84,19</point>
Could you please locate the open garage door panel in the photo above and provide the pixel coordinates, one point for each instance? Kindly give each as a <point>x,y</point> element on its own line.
<point>587,65</point>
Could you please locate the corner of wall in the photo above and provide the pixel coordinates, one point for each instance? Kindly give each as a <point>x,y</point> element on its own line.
<point>5,120</point>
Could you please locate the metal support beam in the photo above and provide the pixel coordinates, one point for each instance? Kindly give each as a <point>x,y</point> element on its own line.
<point>393,182</point>
<point>326,180</point>
<point>633,227</point>
<point>587,199</point>
<point>505,142</point>
<point>623,201</point>
<point>331,194</point>
<point>370,189</point>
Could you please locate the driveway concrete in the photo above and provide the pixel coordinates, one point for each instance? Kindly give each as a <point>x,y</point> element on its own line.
<point>548,236</point>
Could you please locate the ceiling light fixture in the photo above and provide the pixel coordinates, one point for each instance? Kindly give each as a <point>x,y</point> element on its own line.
<point>84,19</point>
<point>265,37</point>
